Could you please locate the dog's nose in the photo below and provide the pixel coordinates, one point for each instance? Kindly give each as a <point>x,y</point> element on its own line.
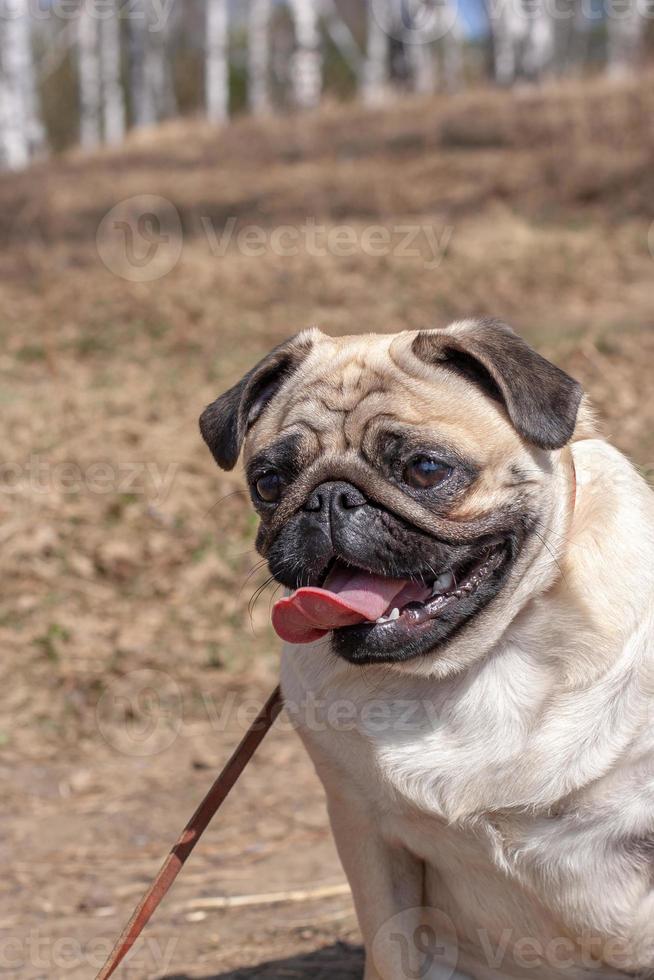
<point>335,498</point>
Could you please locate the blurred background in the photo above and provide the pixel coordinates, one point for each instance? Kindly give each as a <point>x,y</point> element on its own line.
<point>184,184</point>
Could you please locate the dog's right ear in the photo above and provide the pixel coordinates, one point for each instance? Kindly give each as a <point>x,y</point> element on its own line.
<point>541,400</point>
<point>225,423</point>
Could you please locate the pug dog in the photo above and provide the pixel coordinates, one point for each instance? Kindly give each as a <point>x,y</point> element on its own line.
<point>469,653</point>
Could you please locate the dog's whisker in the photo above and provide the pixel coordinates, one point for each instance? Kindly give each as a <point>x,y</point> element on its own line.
<point>256,595</point>
<point>253,571</point>
<point>555,560</point>
<point>233,493</point>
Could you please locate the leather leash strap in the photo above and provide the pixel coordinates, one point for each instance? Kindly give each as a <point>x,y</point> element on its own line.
<point>193,831</point>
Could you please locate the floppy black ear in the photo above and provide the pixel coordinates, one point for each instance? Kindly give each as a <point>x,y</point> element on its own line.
<point>224,423</point>
<point>542,400</point>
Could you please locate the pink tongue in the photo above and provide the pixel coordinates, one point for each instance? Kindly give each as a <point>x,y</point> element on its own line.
<point>351,597</point>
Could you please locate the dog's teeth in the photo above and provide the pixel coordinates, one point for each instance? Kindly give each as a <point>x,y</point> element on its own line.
<point>443,583</point>
<point>393,615</point>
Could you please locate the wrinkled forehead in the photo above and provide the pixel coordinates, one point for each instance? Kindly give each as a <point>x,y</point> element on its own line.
<point>351,390</point>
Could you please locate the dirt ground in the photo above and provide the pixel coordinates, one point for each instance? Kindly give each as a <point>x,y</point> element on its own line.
<point>133,650</point>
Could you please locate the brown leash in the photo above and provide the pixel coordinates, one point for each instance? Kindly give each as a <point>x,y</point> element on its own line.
<point>193,831</point>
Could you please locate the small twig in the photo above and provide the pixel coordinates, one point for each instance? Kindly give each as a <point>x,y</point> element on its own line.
<point>272,898</point>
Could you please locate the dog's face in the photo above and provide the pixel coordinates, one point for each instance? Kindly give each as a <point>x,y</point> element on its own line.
<point>426,457</point>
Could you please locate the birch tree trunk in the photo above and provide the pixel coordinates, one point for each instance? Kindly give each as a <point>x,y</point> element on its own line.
<point>421,61</point>
<point>574,43</point>
<point>217,61</point>
<point>259,41</point>
<point>113,101</point>
<point>88,44</point>
<point>142,105</point>
<point>509,31</point>
<point>159,67</point>
<point>31,104</point>
<point>340,35</point>
<point>141,81</point>
<point>452,55</point>
<point>376,72</point>
<point>431,28</point>
<point>625,35</point>
<point>152,93</point>
<point>538,53</point>
<point>306,68</point>
<point>22,132</point>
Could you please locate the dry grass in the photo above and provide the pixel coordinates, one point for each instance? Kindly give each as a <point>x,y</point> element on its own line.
<point>545,200</point>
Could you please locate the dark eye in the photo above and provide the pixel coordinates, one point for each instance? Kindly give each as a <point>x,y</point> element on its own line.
<point>424,472</point>
<point>269,487</point>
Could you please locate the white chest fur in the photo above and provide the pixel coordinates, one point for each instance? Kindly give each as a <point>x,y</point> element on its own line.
<point>470,780</point>
<point>525,783</point>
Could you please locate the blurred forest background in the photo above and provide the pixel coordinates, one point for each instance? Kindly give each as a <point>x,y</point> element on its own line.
<point>185,184</point>
<point>87,70</point>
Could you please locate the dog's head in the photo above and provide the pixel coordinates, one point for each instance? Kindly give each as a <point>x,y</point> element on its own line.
<point>416,474</point>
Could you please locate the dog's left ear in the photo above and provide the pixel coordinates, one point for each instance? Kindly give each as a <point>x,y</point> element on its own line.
<point>225,423</point>
<point>542,401</point>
